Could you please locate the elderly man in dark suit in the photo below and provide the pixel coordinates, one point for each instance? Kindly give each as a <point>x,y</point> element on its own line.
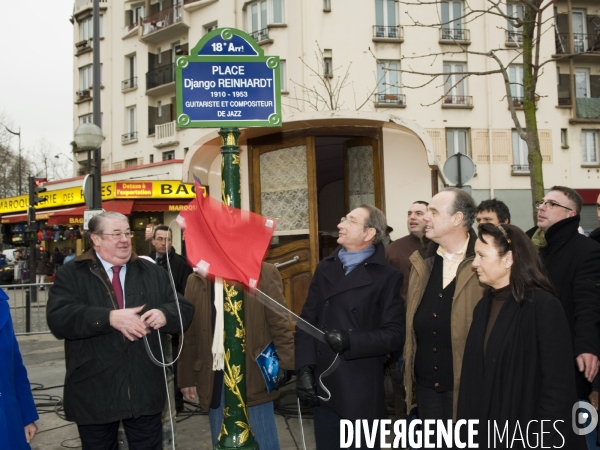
<point>354,297</point>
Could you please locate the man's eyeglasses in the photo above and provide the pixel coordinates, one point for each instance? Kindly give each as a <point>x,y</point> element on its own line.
<point>162,239</point>
<point>350,221</point>
<point>118,236</point>
<point>549,205</point>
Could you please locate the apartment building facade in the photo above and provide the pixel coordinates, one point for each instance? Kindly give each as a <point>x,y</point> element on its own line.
<point>355,127</point>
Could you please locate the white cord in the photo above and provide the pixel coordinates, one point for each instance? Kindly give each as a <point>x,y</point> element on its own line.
<point>172,280</point>
<point>162,354</point>
<point>301,427</point>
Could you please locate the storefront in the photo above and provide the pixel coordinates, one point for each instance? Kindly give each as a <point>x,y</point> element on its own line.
<point>59,220</point>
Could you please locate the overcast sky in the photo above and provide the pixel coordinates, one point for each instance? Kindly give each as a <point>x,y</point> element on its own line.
<point>36,76</point>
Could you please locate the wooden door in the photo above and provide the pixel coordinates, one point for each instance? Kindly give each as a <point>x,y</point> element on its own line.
<point>284,188</point>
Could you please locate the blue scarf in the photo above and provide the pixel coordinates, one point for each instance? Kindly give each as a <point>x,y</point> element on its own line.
<point>352,259</point>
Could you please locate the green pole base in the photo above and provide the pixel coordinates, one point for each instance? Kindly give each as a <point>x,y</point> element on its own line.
<point>251,446</point>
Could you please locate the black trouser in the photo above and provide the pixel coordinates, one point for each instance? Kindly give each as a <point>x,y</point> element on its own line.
<point>434,405</point>
<point>143,433</point>
<point>327,430</point>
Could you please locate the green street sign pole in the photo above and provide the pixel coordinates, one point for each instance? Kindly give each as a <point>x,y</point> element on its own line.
<point>227,82</point>
<point>236,432</point>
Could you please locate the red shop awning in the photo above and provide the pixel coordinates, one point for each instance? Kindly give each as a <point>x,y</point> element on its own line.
<point>74,216</point>
<point>40,215</point>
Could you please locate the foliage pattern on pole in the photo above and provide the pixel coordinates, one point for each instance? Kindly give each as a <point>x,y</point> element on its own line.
<point>235,430</point>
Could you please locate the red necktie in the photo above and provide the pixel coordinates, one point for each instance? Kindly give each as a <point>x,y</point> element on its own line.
<point>116,284</point>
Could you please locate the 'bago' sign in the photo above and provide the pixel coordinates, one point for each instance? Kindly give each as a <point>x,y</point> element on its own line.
<point>226,81</point>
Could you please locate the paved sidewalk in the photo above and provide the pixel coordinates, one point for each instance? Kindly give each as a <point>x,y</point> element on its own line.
<point>44,358</point>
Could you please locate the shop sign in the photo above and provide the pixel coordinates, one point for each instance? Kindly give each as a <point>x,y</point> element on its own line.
<point>110,190</point>
<point>227,81</point>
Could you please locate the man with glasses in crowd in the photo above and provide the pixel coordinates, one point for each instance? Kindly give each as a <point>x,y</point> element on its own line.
<point>103,304</point>
<point>354,297</point>
<point>165,256</point>
<point>572,263</point>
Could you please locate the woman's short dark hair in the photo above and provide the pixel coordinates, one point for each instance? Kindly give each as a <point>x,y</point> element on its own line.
<point>527,274</point>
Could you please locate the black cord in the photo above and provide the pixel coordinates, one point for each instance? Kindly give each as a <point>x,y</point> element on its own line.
<point>62,444</point>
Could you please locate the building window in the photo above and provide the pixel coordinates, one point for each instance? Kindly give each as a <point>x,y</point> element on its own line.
<point>262,13</point>
<point>328,66</point>
<point>452,13</point>
<point>210,27</point>
<point>131,162</point>
<point>151,159</point>
<point>283,75</point>
<point>582,82</point>
<point>386,18</point>
<point>388,82</point>
<point>517,12</point>
<point>86,29</point>
<point>457,141</point>
<point>130,80</point>
<point>89,118</point>
<point>86,118</point>
<point>85,78</point>
<point>130,125</point>
<point>589,146</point>
<point>139,12</point>
<point>167,156</point>
<point>158,56</point>
<point>520,152</point>
<point>515,76</point>
<point>158,108</point>
<point>564,138</point>
<point>327,5</point>
<point>455,84</point>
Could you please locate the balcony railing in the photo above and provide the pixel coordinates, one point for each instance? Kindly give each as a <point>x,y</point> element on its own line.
<point>83,95</point>
<point>514,38</point>
<point>260,35</point>
<point>128,137</point>
<point>588,108</point>
<point>581,43</point>
<point>388,32</point>
<point>83,45</point>
<point>165,130</point>
<point>159,76</point>
<point>520,168</point>
<point>564,101</point>
<point>390,99</point>
<point>129,83</point>
<point>458,100</point>
<point>162,19</point>
<point>455,34</point>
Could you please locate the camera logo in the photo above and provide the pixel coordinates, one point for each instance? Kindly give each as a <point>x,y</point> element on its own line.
<point>588,416</point>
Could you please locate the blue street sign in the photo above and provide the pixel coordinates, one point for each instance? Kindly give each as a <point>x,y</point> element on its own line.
<point>227,81</point>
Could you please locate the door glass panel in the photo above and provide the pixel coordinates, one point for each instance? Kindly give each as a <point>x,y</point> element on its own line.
<point>361,185</point>
<point>284,189</point>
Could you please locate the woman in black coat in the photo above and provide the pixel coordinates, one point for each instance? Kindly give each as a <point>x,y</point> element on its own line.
<point>517,375</point>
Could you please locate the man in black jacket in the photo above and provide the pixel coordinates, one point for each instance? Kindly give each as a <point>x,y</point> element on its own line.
<point>354,297</point>
<point>572,263</point>
<point>103,305</point>
<point>165,256</point>
<point>162,241</point>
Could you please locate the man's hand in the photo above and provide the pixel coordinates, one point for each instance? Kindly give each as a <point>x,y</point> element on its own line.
<point>338,340</point>
<point>306,387</point>
<point>588,363</point>
<point>128,322</point>
<point>189,393</point>
<point>154,318</point>
<point>30,431</point>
